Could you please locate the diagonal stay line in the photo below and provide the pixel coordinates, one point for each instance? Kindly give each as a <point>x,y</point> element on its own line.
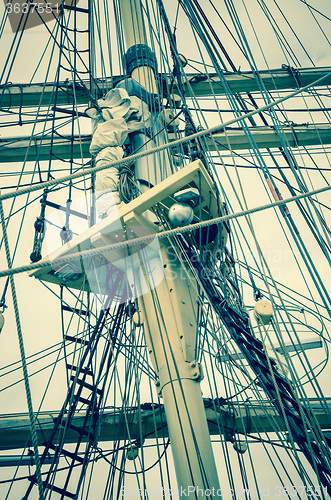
<point>160,235</point>
<point>132,158</point>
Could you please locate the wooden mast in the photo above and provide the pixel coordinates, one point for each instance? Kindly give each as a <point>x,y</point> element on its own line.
<point>170,322</point>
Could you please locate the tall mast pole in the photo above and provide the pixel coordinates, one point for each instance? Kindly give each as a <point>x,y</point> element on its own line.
<point>136,43</point>
<point>170,310</point>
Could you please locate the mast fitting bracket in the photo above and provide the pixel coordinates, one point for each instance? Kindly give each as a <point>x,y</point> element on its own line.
<point>183,370</point>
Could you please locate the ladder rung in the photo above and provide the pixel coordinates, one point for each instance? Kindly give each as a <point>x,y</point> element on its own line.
<point>85,401</point>
<point>62,491</point>
<point>76,339</point>
<point>281,381</point>
<point>252,341</point>
<point>295,417</point>
<point>73,309</point>
<point>82,370</point>
<point>327,439</point>
<point>289,398</point>
<point>87,385</point>
<point>284,395</point>
<point>260,364</point>
<point>322,468</point>
<point>67,453</point>
<point>79,430</point>
<point>78,9</point>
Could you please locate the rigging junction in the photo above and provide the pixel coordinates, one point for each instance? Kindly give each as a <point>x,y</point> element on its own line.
<point>138,425</point>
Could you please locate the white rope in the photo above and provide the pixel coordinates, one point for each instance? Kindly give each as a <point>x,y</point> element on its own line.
<point>128,160</point>
<point>34,438</point>
<point>160,235</point>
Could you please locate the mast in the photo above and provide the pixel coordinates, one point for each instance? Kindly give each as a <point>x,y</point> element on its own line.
<point>111,398</point>
<point>170,312</point>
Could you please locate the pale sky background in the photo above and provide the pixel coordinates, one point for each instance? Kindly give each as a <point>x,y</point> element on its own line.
<point>40,311</point>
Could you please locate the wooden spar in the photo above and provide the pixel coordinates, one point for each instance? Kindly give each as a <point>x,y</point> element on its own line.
<point>197,84</point>
<point>169,312</point>
<point>252,418</point>
<point>17,150</point>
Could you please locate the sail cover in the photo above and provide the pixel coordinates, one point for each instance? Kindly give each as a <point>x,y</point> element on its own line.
<point>113,118</point>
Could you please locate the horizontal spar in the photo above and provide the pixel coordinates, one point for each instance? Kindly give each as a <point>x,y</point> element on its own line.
<point>275,79</point>
<point>266,137</point>
<point>17,150</point>
<point>253,417</point>
<point>32,149</point>
<point>198,84</point>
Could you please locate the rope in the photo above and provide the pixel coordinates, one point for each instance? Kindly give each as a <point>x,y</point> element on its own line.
<point>160,235</point>
<point>127,188</point>
<point>23,358</point>
<point>131,158</point>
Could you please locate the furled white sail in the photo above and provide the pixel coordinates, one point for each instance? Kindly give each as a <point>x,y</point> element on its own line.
<point>114,117</point>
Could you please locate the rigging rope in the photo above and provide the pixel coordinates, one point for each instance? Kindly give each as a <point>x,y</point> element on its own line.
<point>162,234</point>
<point>202,133</point>
<point>24,365</point>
